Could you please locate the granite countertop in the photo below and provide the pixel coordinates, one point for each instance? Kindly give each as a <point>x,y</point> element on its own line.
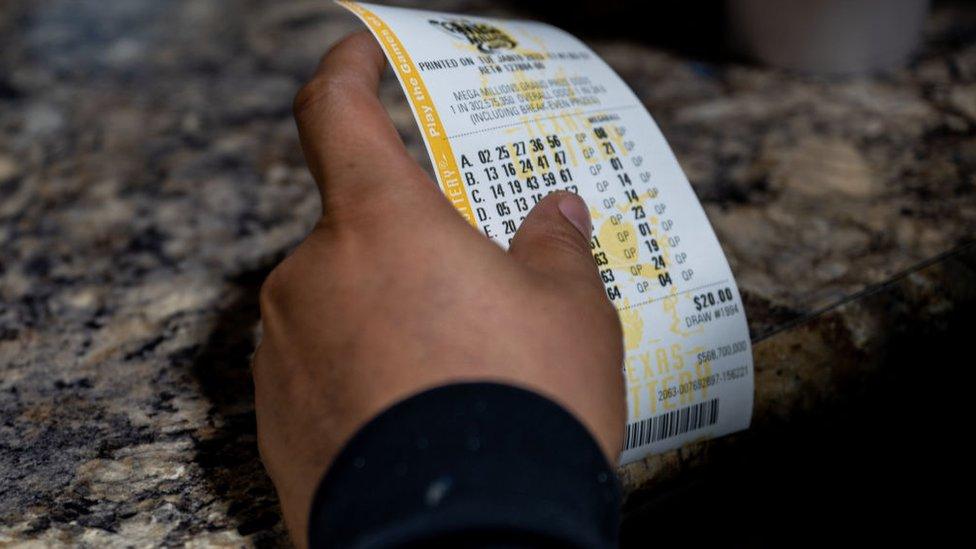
<point>150,177</point>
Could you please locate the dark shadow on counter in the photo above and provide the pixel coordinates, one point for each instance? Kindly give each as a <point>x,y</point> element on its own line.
<point>880,461</point>
<point>229,459</point>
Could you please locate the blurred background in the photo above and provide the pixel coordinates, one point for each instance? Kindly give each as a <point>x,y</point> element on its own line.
<point>150,177</point>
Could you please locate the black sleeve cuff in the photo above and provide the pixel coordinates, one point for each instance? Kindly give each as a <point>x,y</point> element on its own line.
<point>473,465</point>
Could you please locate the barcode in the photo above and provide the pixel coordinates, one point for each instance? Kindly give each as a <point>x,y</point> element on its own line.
<point>672,424</point>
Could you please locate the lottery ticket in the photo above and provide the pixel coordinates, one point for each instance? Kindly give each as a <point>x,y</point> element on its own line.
<point>513,110</point>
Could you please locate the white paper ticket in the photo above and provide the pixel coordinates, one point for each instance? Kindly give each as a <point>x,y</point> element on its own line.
<point>513,110</point>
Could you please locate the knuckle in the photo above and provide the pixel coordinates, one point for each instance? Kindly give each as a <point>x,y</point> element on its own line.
<point>612,321</point>
<point>564,239</point>
<point>308,95</point>
<point>273,289</point>
<point>321,91</point>
<point>606,320</point>
<point>605,315</point>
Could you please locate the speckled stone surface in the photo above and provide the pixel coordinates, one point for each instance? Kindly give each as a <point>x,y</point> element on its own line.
<point>150,177</point>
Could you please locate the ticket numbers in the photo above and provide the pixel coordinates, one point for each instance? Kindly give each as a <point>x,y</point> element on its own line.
<point>506,180</point>
<point>505,125</point>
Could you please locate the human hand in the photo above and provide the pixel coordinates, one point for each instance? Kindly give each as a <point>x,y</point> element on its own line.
<point>393,293</point>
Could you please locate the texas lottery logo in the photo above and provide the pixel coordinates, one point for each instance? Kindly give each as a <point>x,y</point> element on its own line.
<point>487,38</point>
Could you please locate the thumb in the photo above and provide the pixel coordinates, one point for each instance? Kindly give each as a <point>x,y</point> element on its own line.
<point>555,238</point>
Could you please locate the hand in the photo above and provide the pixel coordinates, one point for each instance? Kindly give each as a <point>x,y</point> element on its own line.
<point>393,293</point>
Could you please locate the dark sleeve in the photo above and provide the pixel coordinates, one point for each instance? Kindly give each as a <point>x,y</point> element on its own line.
<point>469,465</point>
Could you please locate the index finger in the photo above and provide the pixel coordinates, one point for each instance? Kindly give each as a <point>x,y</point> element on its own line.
<point>349,141</point>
